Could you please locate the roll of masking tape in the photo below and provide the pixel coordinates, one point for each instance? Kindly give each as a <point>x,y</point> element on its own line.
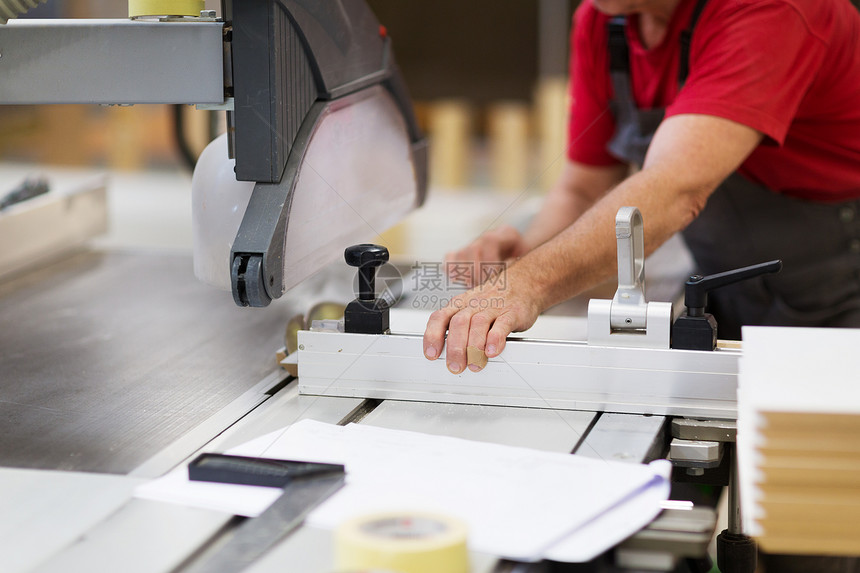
<point>143,8</point>
<point>406,543</point>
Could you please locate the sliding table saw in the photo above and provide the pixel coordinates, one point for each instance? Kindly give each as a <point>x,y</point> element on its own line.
<point>110,425</point>
<point>119,366</point>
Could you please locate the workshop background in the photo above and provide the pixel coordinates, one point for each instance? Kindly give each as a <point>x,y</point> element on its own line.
<point>489,81</point>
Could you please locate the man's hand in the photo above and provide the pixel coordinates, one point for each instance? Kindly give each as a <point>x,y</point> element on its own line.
<point>482,317</point>
<point>496,246</point>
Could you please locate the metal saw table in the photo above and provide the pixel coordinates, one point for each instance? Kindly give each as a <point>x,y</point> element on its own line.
<point>118,366</point>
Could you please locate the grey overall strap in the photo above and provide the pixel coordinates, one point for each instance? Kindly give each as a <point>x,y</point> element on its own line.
<point>686,40</point>
<point>635,127</point>
<point>619,58</point>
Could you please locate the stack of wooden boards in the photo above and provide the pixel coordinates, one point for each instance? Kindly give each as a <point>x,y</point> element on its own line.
<point>798,430</point>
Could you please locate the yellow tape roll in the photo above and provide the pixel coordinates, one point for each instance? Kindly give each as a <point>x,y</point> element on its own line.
<point>138,8</point>
<point>406,543</point>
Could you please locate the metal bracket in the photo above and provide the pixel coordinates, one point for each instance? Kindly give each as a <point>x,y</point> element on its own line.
<point>676,533</point>
<point>697,454</point>
<point>698,445</point>
<point>111,62</point>
<point>629,309</point>
<point>628,320</point>
<point>711,430</point>
<point>228,105</point>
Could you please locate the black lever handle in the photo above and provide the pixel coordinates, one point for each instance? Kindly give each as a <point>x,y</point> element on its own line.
<point>366,314</point>
<point>697,287</point>
<point>696,330</point>
<point>367,257</point>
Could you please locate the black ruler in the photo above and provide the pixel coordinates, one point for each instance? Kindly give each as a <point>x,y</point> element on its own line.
<point>305,486</point>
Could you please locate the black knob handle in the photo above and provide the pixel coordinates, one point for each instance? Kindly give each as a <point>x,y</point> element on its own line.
<point>696,330</point>
<point>367,257</point>
<point>697,287</point>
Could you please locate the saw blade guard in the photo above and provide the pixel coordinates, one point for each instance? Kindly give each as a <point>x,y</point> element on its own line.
<point>356,181</point>
<point>325,128</point>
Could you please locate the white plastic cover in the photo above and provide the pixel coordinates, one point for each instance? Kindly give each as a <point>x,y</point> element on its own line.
<point>355,181</point>
<point>218,203</point>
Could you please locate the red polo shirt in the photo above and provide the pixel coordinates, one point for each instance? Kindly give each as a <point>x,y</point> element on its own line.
<point>787,68</point>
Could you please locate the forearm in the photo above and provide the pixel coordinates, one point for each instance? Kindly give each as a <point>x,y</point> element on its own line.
<point>584,254</point>
<point>687,160</point>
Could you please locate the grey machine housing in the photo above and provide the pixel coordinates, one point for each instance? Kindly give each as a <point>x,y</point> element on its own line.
<point>290,60</point>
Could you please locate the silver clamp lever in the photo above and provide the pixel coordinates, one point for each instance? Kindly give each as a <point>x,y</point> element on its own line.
<point>627,319</point>
<point>629,309</point>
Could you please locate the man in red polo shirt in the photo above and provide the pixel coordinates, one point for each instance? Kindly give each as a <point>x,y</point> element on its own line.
<point>745,118</point>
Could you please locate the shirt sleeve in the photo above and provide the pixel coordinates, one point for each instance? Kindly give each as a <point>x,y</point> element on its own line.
<point>591,125</point>
<point>752,65</point>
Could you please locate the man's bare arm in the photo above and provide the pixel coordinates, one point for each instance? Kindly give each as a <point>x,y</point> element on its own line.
<point>689,157</point>
<point>576,190</point>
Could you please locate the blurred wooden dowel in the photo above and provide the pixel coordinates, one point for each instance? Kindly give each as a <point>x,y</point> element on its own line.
<point>508,131</point>
<point>450,132</point>
<point>551,103</point>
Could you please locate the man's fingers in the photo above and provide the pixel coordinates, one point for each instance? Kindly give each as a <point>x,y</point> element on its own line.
<point>434,334</point>
<point>458,338</point>
<point>473,335</point>
<point>502,327</point>
<point>478,328</point>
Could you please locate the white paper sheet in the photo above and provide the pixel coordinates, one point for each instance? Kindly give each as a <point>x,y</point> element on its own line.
<point>618,523</point>
<point>519,503</point>
<point>175,487</point>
